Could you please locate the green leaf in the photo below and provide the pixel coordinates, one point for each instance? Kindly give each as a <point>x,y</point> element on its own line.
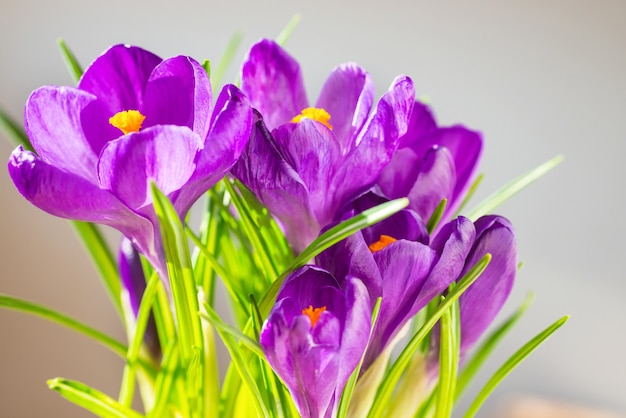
<point>485,349</point>
<point>436,216</point>
<point>510,189</point>
<point>448,359</point>
<point>212,317</point>
<point>91,399</point>
<point>136,338</point>
<point>348,389</point>
<point>103,259</point>
<point>14,131</point>
<point>206,64</point>
<point>331,237</point>
<point>470,193</point>
<point>165,379</point>
<point>182,283</point>
<point>511,363</point>
<point>226,59</point>
<point>70,61</point>
<point>69,322</point>
<point>386,388</point>
<point>239,361</point>
<point>285,34</point>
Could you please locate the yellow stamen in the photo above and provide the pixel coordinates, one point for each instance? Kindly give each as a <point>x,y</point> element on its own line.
<point>313,313</point>
<point>314,113</point>
<point>127,121</point>
<point>381,243</point>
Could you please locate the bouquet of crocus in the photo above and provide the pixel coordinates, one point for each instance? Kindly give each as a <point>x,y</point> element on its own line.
<point>356,287</point>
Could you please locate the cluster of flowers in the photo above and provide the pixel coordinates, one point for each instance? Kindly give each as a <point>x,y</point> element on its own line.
<point>135,119</point>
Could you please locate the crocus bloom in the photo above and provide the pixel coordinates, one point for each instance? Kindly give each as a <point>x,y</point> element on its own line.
<point>305,162</point>
<point>133,119</point>
<point>315,336</point>
<point>482,301</point>
<point>396,262</point>
<point>432,163</point>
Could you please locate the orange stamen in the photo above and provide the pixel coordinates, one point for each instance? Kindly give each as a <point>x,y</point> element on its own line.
<point>314,113</point>
<point>127,121</point>
<point>381,243</point>
<point>313,313</point>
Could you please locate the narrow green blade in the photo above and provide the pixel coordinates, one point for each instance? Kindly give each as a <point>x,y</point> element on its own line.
<point>71,62</point>
<point>226,59</point>
<point>511,363</point>
<point>103,259</point>
<point>62,319</point>
<point>486,348</point>
<point>331,237</point>
<point>180,274</point>
<point>91,399</point>
<point>14,131</point>
<point>282,38</point>
<point>386,388</point>
<point>512,188</point>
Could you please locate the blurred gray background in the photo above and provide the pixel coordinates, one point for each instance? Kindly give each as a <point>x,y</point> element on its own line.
<point>538,78</point>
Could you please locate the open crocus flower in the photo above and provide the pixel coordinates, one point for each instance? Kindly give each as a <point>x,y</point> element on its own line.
<point>305,162</point>
<point>396,262</point>
<point>133,119</point>
<point>315,336</point>
<point>431,164</point>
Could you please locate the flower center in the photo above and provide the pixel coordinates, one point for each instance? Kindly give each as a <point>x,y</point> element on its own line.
<point>127,121</point>
<point>381,243</point>
<point>314,113</point>
<point>313,313</point>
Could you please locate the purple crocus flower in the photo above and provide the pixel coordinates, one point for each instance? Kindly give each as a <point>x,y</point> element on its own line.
<point>305,162</point>
<point>133,119</point>
<point>482,301</point>
<point>315,336</point>
<point>432,163</point>
<point>395,260</point>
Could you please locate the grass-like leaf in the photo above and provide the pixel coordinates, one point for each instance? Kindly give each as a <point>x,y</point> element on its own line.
<point>348,389</point>
<point>226,59</point>
<point>212,317</point>
<point>180,274</point>
<point>470,192</point>
<point>14,131</point>
<point>448,360</point>
<point>136,338</point>
<point>165,379</point>
<point>485,349</point>
<point>387,386</point>
<point>511,363</point>
<point>91,399</point>
<point>285,34</point>
<point>331,237</point>
<point>75,69</point>
<point>510,189</point>
<point>103,259</point>
<point>436,216</point>
<point>21,305</point>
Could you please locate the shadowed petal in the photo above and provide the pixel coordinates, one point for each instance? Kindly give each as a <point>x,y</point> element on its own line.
<point>482,301</point>
<point>347,95</point>
<point>118,77</point>
<point>272,80</point>
<point>178,93</point>
<point>164,155</point>
<point>435,182</point>
<point>465,148</point>
<point>313,152</point>
<point>263,169</point>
